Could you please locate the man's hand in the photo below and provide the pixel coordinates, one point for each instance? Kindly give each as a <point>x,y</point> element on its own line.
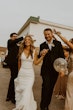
<point>44,52</point>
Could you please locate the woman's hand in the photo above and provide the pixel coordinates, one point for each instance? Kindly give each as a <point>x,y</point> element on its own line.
<point>38,60</point>
<point>62,73</point>
<point>44,52</point>
<point>56,32</point>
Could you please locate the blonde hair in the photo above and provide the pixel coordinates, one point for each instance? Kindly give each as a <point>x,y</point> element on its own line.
<point>22,46</point>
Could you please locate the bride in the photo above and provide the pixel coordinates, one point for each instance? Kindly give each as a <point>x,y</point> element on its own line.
<point>24,82</point>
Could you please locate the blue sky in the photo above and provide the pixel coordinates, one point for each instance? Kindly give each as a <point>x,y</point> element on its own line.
<point>14,13</point>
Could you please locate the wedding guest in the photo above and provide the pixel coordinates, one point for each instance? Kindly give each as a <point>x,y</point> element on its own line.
<point>69,90</point>
<point>61,84</point>
<point>12,61</point>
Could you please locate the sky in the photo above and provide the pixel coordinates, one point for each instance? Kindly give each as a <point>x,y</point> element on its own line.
<point>14,13</point>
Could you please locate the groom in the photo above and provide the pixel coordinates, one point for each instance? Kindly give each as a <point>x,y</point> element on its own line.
<point>48,73</point>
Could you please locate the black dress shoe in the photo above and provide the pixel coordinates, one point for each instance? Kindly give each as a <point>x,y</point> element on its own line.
<point>46,108</point>
<point>13,101</point>
<point>7,99</point>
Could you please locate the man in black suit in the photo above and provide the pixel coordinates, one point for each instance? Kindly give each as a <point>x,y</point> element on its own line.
<point>12,61</point>
<point>48,73</point>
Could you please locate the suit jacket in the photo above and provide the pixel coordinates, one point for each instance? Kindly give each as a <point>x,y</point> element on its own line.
<point>13,49</point>
<point>56,52</point>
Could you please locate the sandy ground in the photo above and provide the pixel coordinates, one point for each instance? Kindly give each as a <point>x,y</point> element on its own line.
<point>56,104</point>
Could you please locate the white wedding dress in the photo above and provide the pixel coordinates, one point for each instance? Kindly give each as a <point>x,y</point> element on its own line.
<point>24,84</point>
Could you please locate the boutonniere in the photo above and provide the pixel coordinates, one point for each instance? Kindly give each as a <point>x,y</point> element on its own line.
<point>52,45</point>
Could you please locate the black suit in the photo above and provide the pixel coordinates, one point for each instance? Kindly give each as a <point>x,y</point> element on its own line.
<point>12,61</point>
<point>48,73</point>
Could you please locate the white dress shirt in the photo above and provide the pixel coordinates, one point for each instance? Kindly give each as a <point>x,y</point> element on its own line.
<point>50,44</point>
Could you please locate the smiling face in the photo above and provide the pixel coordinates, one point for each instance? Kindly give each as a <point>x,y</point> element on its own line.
<point>48,35</point>
<point>28,41</point>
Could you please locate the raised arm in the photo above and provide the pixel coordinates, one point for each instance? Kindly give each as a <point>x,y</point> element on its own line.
<point>64,39</point>
<point>38,60</point>
<point>13,42</point>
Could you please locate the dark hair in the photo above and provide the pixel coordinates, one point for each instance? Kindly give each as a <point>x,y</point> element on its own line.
<point>67,49</point>
<point>13,34</point>
<point>48,29</point>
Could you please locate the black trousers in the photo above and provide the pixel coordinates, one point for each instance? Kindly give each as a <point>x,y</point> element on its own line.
<point>47,90</point>
<point>11,88</point>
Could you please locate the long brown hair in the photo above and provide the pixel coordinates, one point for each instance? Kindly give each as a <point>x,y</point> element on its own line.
<point>22,46</point>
